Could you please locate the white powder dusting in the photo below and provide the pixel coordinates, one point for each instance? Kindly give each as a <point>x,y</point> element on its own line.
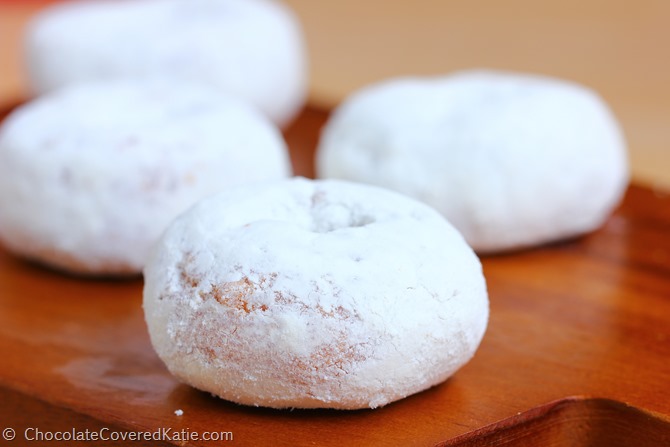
<point>510,160</point>
<point>314,294</point>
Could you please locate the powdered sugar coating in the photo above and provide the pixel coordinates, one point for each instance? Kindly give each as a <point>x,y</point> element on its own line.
<point>249,48</point>
<point>510,160</point>
<point>314,294</point>
<point>90,176</point>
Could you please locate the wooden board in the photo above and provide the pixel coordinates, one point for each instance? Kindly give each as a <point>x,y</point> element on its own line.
<point>576,352</point>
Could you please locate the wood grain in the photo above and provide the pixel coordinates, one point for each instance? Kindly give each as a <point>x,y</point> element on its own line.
<point>587,318</point>
<point>573,422</point>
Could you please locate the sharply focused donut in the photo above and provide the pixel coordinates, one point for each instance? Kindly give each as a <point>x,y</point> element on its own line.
<point>314,294</point>
<point>510,160</point>
<point>90,176</point>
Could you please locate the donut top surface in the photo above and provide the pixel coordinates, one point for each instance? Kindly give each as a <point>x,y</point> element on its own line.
<point>134,119</point>
<point>342,226</point>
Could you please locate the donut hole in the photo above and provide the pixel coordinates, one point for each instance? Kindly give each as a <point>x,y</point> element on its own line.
<point>334,218</point>
<point>328,215</point>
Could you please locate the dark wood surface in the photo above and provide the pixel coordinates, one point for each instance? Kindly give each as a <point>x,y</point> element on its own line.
<point>578,342</point>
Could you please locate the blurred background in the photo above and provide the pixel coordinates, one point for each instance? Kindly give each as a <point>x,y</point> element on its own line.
<point>619,48</point>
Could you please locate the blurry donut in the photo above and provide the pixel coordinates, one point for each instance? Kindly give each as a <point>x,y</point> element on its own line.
<point>510,160</point>
<point>253,49</point>
<point>90,176</point>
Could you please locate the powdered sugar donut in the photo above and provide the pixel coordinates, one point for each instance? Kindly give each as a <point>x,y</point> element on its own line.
<point>90,176</point>
<point>250,48</point>
<point>511,160</point>
<point>314,294</point>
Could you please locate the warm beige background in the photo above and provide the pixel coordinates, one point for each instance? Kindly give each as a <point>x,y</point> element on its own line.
<point>619,48</point>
